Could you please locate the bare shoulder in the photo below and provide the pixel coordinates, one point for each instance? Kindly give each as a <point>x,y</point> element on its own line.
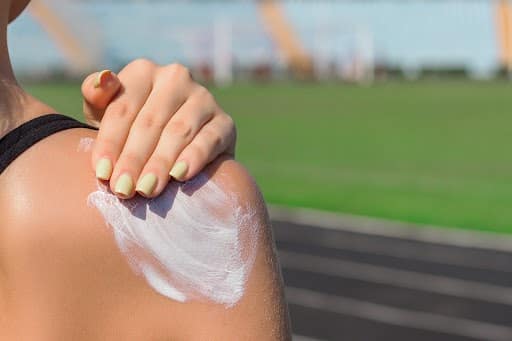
<point>44,199</point>
<point>54,173</point>
<point>262,311</point>
<point>234,179</point>
<point>52,237</point>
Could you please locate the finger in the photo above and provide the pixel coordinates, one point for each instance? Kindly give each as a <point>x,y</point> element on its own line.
<point>98,90</point>
<point>167,96</point>
<point>179,132</point>
<point>119,116</point>
<point>215,138</point>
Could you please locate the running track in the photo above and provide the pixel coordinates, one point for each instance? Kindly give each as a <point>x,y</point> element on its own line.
<point>360,279</point>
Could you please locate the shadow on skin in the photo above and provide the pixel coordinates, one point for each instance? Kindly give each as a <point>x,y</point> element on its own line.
<point>161,205</point>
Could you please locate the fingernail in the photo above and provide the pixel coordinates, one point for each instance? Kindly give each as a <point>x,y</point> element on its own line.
<point>179,170</point>
<point>124,185</point>
<point>104,169</point>
<point>100,79</point>
<point>147,184</point>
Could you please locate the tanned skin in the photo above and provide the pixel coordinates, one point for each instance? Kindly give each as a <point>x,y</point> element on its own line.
<point>62,276</point>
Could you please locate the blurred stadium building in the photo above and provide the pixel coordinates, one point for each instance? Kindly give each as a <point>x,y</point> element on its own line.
<point>221,41</point>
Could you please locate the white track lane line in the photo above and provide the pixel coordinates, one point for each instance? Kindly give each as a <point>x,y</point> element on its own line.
<point>396,229</point>
<point>399,278</point>
<point>381,248</point>
<point>397,316</point>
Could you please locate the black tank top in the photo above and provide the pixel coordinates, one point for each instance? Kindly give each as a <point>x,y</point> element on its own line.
<point>29,133</point>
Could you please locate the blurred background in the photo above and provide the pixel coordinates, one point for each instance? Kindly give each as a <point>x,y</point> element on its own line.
<point>378,130</point>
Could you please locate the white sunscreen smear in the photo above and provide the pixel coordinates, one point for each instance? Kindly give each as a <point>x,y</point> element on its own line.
<point>194,242</point>
<point>85,144</point>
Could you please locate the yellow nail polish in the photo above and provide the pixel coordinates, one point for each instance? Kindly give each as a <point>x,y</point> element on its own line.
<point>179,170</point>
<point>124,185</point>
<point>101,76</point>
<point>104,169</point>
<point>147,184</point>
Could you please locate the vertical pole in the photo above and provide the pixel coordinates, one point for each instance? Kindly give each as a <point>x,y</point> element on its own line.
<point>367,48</point>
<point>504,33</point>
<point>78,57</point>
<point>285,37</point>
<point>223,52</point>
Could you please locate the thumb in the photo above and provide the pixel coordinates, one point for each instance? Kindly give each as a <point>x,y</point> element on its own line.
<point>98,90</point>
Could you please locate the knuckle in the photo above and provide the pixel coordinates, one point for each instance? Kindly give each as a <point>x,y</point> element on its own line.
<point>228,124</point>
<point>228,121</point>
<point>143,64</point>
<point>214,139</point>
<point>105,145</point>
<point>131,158</point>
<point>197,152</point>
<point>150,122</point>
<point>205,95</point>
<point>179,70</point>
<point>230,133</point>
<point>119,110</point>
<point>180,129</point>
<point>160,160</point>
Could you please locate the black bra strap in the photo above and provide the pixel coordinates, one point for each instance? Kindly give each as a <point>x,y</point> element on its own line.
<point>29,133</point>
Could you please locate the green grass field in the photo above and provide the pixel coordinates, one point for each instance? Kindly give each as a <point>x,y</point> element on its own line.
<point>429,152</point>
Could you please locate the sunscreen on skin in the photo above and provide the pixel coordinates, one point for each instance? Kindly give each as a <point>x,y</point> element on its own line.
<point>85,144</point>
<point>194,242</point>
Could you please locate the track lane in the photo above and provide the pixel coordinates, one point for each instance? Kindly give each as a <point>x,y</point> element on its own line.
<point>398,276</point>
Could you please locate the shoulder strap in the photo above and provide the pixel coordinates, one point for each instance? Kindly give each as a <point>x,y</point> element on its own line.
<point>29,133</point>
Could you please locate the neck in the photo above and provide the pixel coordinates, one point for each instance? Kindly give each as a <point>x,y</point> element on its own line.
<point>16,106</point>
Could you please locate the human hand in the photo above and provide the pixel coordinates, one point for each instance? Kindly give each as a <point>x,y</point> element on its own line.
<point>154,122</point>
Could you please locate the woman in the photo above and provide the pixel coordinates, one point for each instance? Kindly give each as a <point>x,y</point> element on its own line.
<point>65,276</point>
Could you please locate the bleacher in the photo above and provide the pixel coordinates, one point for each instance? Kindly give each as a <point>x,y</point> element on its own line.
<point>408,35</point>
